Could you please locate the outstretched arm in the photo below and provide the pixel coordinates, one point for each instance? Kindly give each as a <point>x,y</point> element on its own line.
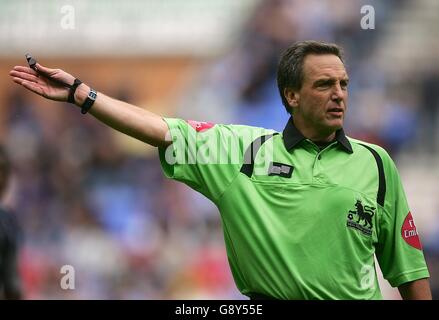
<point>124,117</point>
<point>415,290</point>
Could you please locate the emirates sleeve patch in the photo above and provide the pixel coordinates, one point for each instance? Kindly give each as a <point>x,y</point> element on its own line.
<point>409,232</point>
<point>200,126</point>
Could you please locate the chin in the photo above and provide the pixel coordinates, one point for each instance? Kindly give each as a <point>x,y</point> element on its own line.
<point>335,124</point>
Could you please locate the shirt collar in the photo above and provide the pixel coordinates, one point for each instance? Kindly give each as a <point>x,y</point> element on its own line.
<point>292,137</point>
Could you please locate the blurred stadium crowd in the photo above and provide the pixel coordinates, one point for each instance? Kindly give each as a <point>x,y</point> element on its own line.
<point>84,200</point>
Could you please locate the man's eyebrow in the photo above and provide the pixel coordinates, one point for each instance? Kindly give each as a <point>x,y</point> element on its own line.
<point>330,80</point>
<point>324,80</point>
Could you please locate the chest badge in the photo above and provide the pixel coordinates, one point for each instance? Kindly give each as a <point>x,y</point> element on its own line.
<point>361,218</point>
<point>280,169</point>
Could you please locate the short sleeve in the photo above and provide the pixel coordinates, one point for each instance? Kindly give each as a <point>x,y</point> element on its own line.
<point>206,156</point>
<point>399,249</point>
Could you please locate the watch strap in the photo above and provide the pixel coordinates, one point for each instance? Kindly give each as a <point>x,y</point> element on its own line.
<point>88,103</point>
<point>71,97</point>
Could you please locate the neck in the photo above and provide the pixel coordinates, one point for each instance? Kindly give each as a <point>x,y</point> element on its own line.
<point>313,133</point>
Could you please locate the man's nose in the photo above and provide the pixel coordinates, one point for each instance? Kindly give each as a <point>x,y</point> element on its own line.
<point>337,93</point>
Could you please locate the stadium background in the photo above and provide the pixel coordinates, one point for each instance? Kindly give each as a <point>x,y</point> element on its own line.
<point>95,199</point>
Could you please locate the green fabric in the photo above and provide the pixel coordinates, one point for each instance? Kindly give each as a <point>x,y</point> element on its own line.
<point>298,237</point>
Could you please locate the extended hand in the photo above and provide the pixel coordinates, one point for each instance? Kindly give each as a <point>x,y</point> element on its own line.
<point>44,82</point>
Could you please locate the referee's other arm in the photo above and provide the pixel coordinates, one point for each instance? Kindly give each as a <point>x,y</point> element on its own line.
<point>416,290</point>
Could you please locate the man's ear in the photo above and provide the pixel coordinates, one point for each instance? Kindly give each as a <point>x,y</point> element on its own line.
<point>292,97</point>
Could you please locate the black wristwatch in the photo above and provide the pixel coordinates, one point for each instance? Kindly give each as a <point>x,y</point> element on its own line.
<point>91,98</point>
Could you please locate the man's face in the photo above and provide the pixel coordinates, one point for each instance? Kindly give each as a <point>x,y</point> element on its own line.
<point>321,103</point>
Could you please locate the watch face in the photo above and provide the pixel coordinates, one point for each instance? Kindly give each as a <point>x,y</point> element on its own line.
<point>92,95</point>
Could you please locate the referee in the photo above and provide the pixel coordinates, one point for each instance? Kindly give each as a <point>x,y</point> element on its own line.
<point>304,211</point>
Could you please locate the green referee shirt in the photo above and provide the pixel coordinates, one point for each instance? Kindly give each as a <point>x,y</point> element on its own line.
<point>300,222</point>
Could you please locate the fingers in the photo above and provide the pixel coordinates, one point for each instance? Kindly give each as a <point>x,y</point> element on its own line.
<point>24,76</point>
<point>32,86</point>
<point>58,76</point>
<point>45,70</point>
<point>17,80</point>
<point>25,69</point>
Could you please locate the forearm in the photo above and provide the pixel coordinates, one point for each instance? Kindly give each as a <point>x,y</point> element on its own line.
<point>416,290</point>
<point>126,118</point>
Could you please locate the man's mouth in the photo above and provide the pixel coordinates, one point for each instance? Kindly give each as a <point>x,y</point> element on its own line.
<point>338,112</point>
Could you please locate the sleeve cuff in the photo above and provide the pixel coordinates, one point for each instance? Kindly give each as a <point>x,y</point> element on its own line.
<point>408,277</point>
<point>169,168</point>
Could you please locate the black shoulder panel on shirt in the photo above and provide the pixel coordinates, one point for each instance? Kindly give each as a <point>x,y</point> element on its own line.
<point>382,178</point>
<point>250,153</point>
